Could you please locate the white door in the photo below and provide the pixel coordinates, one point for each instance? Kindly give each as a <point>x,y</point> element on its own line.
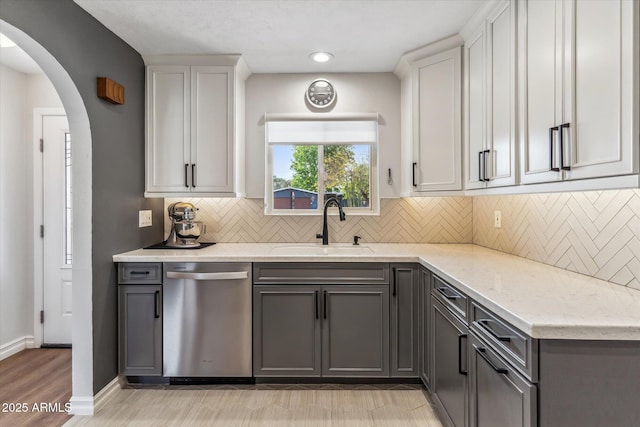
<point>56,164</point>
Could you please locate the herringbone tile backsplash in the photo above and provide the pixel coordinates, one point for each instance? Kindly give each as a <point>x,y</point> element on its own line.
<point>596,233</point>
<point>415,220</point>
<point>593,233</point>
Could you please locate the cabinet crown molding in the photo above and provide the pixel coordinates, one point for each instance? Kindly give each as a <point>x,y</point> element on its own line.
<point>403,68</point>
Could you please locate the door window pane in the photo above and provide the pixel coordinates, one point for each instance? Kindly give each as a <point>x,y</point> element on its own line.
<point>68,219</point>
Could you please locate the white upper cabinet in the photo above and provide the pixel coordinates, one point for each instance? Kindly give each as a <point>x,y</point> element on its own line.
<point>191,138</point>
<point>437,122</point>
<point>578,99</point>
<point>490,100</point>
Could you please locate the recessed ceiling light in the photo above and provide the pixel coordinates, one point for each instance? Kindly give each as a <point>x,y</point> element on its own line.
<point>6,41</point>
<point>321,56</point>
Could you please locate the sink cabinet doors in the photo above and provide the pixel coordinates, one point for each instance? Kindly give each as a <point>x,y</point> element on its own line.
<point>355,331</point>
<point>313,331</point>
<point>286,331</point>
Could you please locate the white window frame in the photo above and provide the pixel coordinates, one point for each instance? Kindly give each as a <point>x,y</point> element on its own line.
<point>333,138</point>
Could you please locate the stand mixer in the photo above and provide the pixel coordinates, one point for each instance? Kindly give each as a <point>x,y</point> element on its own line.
<point>185,231</point>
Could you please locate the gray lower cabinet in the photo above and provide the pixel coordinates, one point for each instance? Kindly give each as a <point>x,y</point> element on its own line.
<point>498,395</point>
<point>449,352</point>
<point>286,331</point>
<point>405,311</point>
<point>140,330</point>
<point>355,331</point>
<point>313,331</point>
<point>425,327</point>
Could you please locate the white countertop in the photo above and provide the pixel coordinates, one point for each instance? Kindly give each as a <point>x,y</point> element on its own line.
<point>543,301</point>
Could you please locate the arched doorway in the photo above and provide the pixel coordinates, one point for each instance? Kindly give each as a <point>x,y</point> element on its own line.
<point>82,383</point>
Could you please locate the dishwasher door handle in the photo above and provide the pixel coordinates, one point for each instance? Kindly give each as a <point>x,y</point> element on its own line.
<point>230,275</point>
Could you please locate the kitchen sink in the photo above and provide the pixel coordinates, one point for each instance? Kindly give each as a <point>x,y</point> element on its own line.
<point>315,249</point>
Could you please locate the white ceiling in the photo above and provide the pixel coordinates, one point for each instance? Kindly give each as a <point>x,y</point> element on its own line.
<point>277,36</point>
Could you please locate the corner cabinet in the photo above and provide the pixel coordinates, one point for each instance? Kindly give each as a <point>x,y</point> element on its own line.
<point>431,110</point>
<point>578,90</point>
<point>140,319</point>
<point>490,100</point>
<point>193,135</point>
<point>437,122</point>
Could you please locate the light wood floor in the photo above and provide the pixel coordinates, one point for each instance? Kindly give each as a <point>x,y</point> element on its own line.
<point>318,406</point>
<point>34,377</point>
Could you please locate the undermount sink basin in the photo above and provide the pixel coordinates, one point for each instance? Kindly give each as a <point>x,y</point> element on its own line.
<point>336,249</point>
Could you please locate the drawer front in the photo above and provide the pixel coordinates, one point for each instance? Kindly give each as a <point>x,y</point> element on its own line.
<point>314,273</point>
<point>140,273</point>
<point>498,394</point>
<point>450,297</point>
<point>515,346</point>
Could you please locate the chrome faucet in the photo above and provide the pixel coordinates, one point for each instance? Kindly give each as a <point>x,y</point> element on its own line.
<point>325,229</point>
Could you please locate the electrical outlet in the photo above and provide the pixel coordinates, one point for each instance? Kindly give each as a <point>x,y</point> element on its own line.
<point>144,219</point>
<point>497,219</point>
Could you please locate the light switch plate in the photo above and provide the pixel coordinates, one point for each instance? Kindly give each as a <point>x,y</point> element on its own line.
<point>144,219</point>
<point>497,219</point>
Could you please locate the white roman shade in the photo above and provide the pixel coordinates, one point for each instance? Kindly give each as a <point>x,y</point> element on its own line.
<point>361,129</point>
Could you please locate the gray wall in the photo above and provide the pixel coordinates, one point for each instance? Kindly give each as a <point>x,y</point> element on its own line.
<point>86,50</point>
<point>356,93</point>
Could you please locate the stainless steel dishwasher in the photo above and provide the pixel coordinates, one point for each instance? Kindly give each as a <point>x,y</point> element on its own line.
<point>206,327</point>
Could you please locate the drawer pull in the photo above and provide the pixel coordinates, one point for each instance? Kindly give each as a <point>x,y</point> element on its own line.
<point>460,337</point>
<point>481,353</point>
<point>444,293</point>
<point>485,325</point>
<point>156,310</point>
<point>139,273</point>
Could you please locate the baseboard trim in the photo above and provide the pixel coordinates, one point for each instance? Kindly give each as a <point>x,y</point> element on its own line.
<point>106,394</point>
<point>16,346</point>
<point>81,405</point>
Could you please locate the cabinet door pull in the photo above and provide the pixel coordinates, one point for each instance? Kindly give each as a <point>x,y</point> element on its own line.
<point>484,157</point>
<point>460,337</point>
<point>481,353</point>
<point>156,309</point>
<point>480,156</point>
<point>413,174</point>
<point>551,163</point>
<point>193,175</point>
<point>316,301</point>
<point>443,292</point>
<point>485,325</point>
<point>186,175</point>
<point>324,305</point>
<point>139,273</point>
<point>393,278</point>
<point>560,132</point>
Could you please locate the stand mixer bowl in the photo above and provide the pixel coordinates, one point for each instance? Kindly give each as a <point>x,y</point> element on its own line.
<point>189,231</point>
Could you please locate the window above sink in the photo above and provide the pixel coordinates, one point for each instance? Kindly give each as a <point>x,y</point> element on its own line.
<point>309,161</point>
